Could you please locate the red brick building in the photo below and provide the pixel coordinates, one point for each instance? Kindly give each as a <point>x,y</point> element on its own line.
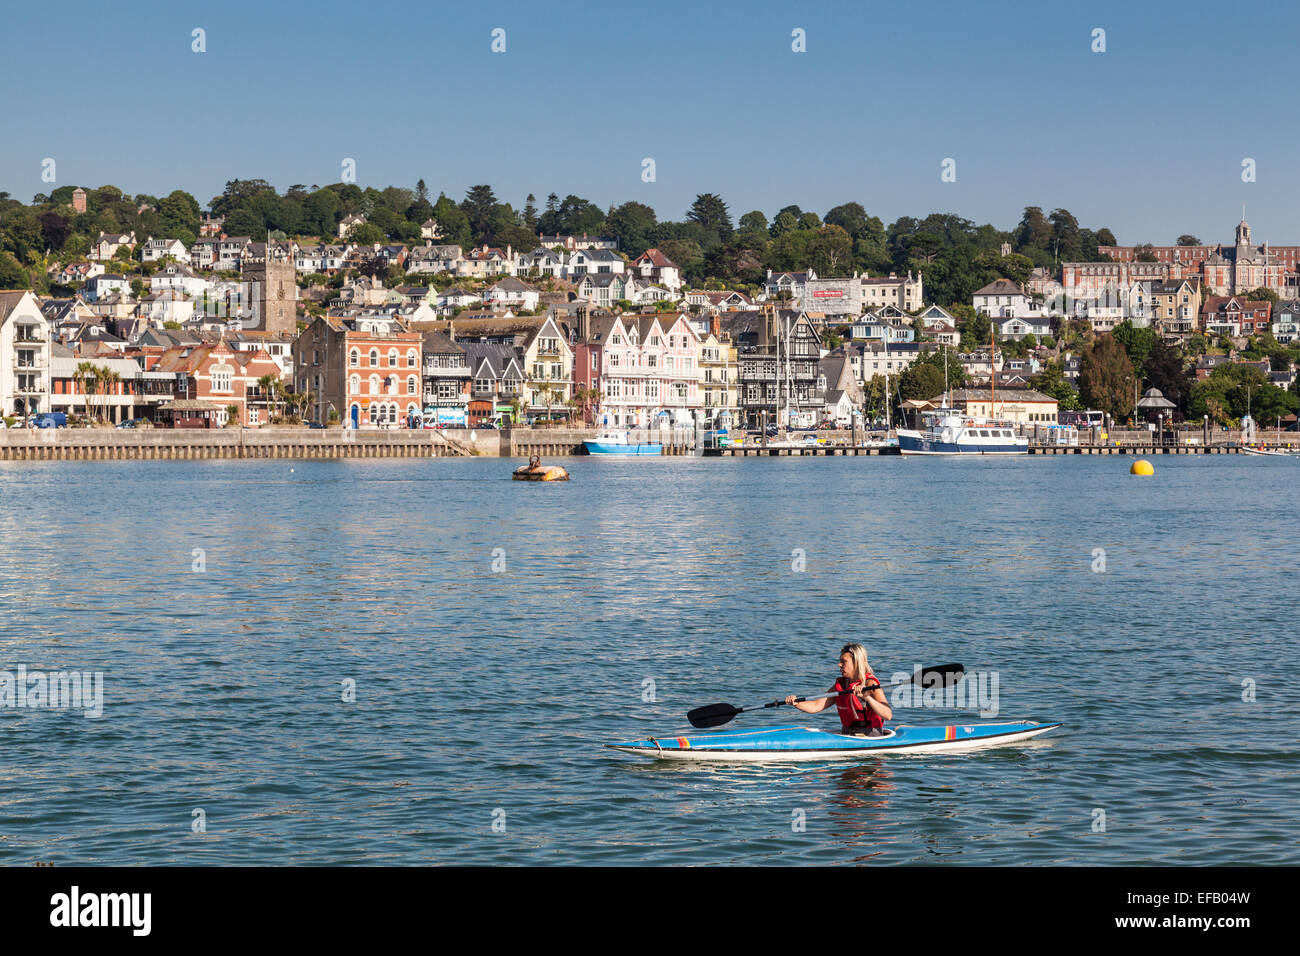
<point>223,376</point>
<point>366,369</point>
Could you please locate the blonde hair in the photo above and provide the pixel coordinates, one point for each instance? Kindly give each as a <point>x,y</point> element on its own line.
<point>859,655</point>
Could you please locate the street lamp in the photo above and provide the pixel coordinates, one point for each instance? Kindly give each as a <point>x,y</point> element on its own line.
<point>1205,430</point>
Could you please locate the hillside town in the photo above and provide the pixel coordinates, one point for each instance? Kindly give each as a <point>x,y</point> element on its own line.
<point>353,330</point>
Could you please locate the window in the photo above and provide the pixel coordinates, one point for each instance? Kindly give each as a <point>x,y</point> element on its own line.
<point>354,384</point>
<point>374,357</point>
<point>412,386</point>
<point>411,360</point>
<point>392,358</point>
<point>374,385</point>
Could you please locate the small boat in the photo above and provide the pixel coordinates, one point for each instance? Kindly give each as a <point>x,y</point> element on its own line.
<point>536,471</point>
<point>806,743</point>
<point>1269,452</point>
<point>618,443</point>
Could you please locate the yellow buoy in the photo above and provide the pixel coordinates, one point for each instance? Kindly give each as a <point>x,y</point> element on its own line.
<point>1142,467</point>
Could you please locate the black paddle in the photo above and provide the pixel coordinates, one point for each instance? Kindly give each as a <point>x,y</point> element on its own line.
<point>715,715</point>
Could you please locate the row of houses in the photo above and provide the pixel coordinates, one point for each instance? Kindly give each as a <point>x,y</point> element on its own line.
<point>1176,309</point>
<point>168,377</point>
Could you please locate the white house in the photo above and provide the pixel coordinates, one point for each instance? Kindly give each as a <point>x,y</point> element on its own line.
<point>433,259</point>
<point>155,249</point>
<point>1003,299</point>
<point>653,266</point>
<point>107,244</point>
<point>513,292</point>
<point>24,355</point>
<point>97,287</point>
<point>347,222</point>
<point>177,278</point>
<point>1017,328</point>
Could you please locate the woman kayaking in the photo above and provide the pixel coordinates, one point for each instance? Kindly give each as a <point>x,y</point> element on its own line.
<point>862,713</point>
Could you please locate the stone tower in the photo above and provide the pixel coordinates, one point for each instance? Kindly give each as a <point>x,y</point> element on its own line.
<point>273,290</point>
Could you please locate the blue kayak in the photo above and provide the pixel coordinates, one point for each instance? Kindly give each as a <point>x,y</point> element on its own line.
<point>806,743</point>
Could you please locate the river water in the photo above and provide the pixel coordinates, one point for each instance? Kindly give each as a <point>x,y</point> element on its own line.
<point>418,661</point>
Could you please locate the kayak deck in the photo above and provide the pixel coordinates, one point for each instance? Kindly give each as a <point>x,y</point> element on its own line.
<point>807,743</point>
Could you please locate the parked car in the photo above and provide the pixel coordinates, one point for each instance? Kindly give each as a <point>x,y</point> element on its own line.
<point>50,420</point>
<point>128,423</point>
<point>312,425</point>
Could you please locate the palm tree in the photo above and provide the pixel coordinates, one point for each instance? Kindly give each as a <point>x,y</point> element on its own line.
<point>107,378</point>
<point>268,383</point>
<point>87,376</point>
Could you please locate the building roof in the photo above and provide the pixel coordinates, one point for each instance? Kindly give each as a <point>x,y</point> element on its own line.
<point>1007,395</point>
<point>1000,287</point>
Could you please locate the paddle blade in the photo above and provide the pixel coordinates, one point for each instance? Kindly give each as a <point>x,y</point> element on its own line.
<point>712,715</point>
<point>943,670</point>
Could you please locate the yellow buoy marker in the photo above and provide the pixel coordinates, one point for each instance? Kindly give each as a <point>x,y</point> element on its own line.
<point>1142,467</point>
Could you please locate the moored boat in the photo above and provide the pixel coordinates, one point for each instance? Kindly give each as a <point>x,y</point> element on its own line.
<point>946,432</point>
<point>1268,452</point>
<point>807,743</point>
<point>619,443</point>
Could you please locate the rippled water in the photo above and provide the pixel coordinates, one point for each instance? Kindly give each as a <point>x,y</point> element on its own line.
<point>482,696</point>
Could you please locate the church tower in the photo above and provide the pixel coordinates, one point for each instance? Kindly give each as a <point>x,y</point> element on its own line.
<point>273,290</point>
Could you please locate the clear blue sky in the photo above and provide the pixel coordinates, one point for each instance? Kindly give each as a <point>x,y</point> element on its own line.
<point>1147,138</point>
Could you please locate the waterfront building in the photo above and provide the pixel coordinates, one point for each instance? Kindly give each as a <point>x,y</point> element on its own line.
<point>496,382</point>
<point>446,380</point>
<point>719,389</point>
<point>215,373</point>
<point>364,369</point>
<point>777,355</point>
<point>1022,405</point>
<point>24,355</point>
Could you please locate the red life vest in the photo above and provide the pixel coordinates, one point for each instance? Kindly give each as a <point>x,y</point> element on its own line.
<point>853,711</point>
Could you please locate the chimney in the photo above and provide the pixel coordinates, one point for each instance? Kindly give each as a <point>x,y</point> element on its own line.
<point>715,325</point>
<point>451,329</point>
<point>584,323</point>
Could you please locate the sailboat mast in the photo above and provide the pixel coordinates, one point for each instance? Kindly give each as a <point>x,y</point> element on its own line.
<point>993,372</point>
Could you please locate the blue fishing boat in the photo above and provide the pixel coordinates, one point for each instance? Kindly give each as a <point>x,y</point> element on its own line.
<point>619,443</point>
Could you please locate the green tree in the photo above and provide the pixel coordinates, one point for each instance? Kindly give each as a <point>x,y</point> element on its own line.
<point>1187,240</point>
<point>1051,380</point>
<point>710,212</point>
<point>829,250</point>
<point>920,380</point>
<point>1262,294</point>
<point>13,275</point>
<point>1107,380</point>
<point>1137,342</point>
<point>632,224</point>
<point>478,206</point>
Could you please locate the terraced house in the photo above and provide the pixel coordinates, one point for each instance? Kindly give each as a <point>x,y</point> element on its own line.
<point>645,367</point>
